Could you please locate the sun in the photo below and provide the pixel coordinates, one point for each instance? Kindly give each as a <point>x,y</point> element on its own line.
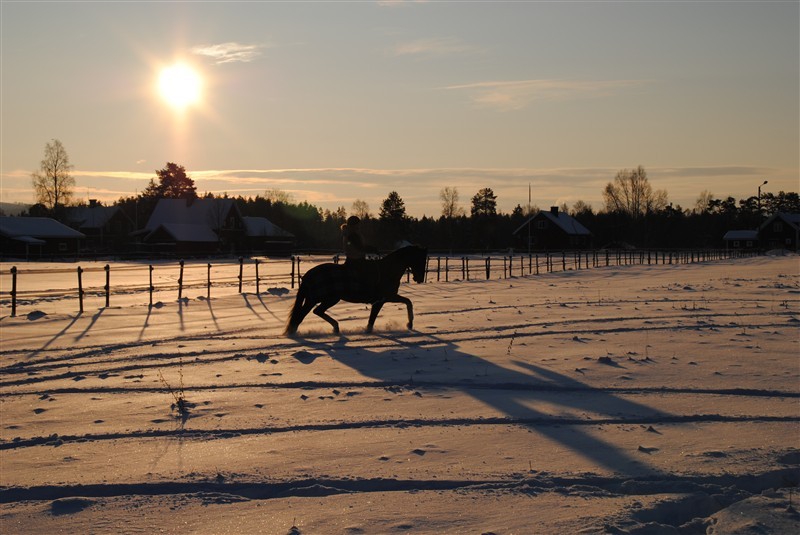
<point>180,86</point>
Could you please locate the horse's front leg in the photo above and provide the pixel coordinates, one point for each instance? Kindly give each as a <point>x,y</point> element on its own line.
<point>373,315</point>
<point>400,299</point>
<point>410,307</point>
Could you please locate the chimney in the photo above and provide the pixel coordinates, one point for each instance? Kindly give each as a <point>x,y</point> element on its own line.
<point>554,210</point>
<point>93,203</point>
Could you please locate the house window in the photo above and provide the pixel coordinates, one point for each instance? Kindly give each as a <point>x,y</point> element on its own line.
<point>778,226</point>
<point>749,243</point>
<point>736,243</point>
<point>541,224</point>
<point>62,246</point>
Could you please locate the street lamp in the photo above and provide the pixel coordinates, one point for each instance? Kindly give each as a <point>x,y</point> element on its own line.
<point>759,199</point>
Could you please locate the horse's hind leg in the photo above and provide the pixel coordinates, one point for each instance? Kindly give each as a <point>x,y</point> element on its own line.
<point>320,311</point>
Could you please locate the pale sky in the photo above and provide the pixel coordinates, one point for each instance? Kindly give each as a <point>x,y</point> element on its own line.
<point>333,102</point>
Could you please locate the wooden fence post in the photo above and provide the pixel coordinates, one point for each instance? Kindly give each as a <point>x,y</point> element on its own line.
<point>80,288</point>
<point>180,282</point>
<point>292,271</point>
<point>258,286</point>
<point>151,288</point>
<point>13,291</point>
<point>241,269</point>
<point>108,284</point>
<point>438,268</point>
<point>446,269</point>
<point>208,287</point>
<point>489,267</point>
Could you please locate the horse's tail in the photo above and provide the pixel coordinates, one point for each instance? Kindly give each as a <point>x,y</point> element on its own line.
<point>296,313</point>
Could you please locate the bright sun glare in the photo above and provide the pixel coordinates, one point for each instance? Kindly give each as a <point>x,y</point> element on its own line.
<point>179,85</point>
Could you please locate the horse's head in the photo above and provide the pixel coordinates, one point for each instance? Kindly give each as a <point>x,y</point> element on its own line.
<point>419,263</point>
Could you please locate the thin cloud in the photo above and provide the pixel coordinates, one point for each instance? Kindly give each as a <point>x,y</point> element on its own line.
<point>518,94</point>
<point>229,52</point>
<point>434,47</point>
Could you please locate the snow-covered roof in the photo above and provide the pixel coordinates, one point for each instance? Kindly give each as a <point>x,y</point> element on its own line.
<point>187,232</point>
<point>22,228</point>
<point>741,235</point>
<point>209,212</point>
<point>261,226</point>
<point>565,222</point>
<point>91,217</point>
<point>791,219</point>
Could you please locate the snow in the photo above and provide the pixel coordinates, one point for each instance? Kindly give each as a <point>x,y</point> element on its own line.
<point>632,399</point>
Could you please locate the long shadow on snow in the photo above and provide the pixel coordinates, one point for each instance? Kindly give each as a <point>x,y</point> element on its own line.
<point>512,392</point>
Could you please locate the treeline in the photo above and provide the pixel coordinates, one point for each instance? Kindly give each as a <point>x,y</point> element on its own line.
<point>633,215</point>
<point>669,227</point>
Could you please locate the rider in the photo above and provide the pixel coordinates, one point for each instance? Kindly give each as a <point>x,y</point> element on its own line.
<point>354,248</point>
<point>355,251</point>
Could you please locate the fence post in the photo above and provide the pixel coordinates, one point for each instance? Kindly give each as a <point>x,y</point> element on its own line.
<point>151,285</point>
<point>438,268</point>
<point>292,257</point>
<point>180,283</point>
<point>13,291</point>
<point>258,286</point>
<point>446,269</point>
<point>80,288</point>
<point>489,267</point>
<point>537,263</point>
<point>208,288</point>
<point>108,284</point>
<point>466,266</point>
<point>241,269</point>
<point>563,261</point>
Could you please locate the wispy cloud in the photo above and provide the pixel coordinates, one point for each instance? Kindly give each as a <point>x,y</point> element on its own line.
<point>518,94</point>
<point>433,47</point>
<point>229,52</point>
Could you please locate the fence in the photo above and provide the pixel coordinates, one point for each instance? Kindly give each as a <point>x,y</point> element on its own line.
<point>30,285</point>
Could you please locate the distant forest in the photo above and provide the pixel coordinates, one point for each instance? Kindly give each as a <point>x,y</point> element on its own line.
<point>633,215</point>
<point>487,229</point>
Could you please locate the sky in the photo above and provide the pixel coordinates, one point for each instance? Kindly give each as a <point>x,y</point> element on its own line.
<point>332,102</point>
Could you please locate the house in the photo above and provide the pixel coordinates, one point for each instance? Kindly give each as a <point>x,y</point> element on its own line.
<point>780,231</point>
<point>263,236</point>
<point>38,236</point>
<point>194,226</point>
<point>106,227</point>
<point>553,230</point>
<point>741,239</point>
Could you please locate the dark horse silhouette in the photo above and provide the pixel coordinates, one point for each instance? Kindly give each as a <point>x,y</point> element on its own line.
<point>373,282</point>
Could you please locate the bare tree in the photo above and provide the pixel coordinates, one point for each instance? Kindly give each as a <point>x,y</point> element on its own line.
<point>701,204</point>
<point>52,184</point>
<point>580,208</point>
<point>360,209</point>
<point>276,196</point>
<point>450,207</point>
<point>632,194</point>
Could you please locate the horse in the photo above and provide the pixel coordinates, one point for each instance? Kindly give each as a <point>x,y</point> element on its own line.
<point>365,281</point>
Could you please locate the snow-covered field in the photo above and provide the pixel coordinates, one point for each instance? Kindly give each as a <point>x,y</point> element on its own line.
<point>633,399</point>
